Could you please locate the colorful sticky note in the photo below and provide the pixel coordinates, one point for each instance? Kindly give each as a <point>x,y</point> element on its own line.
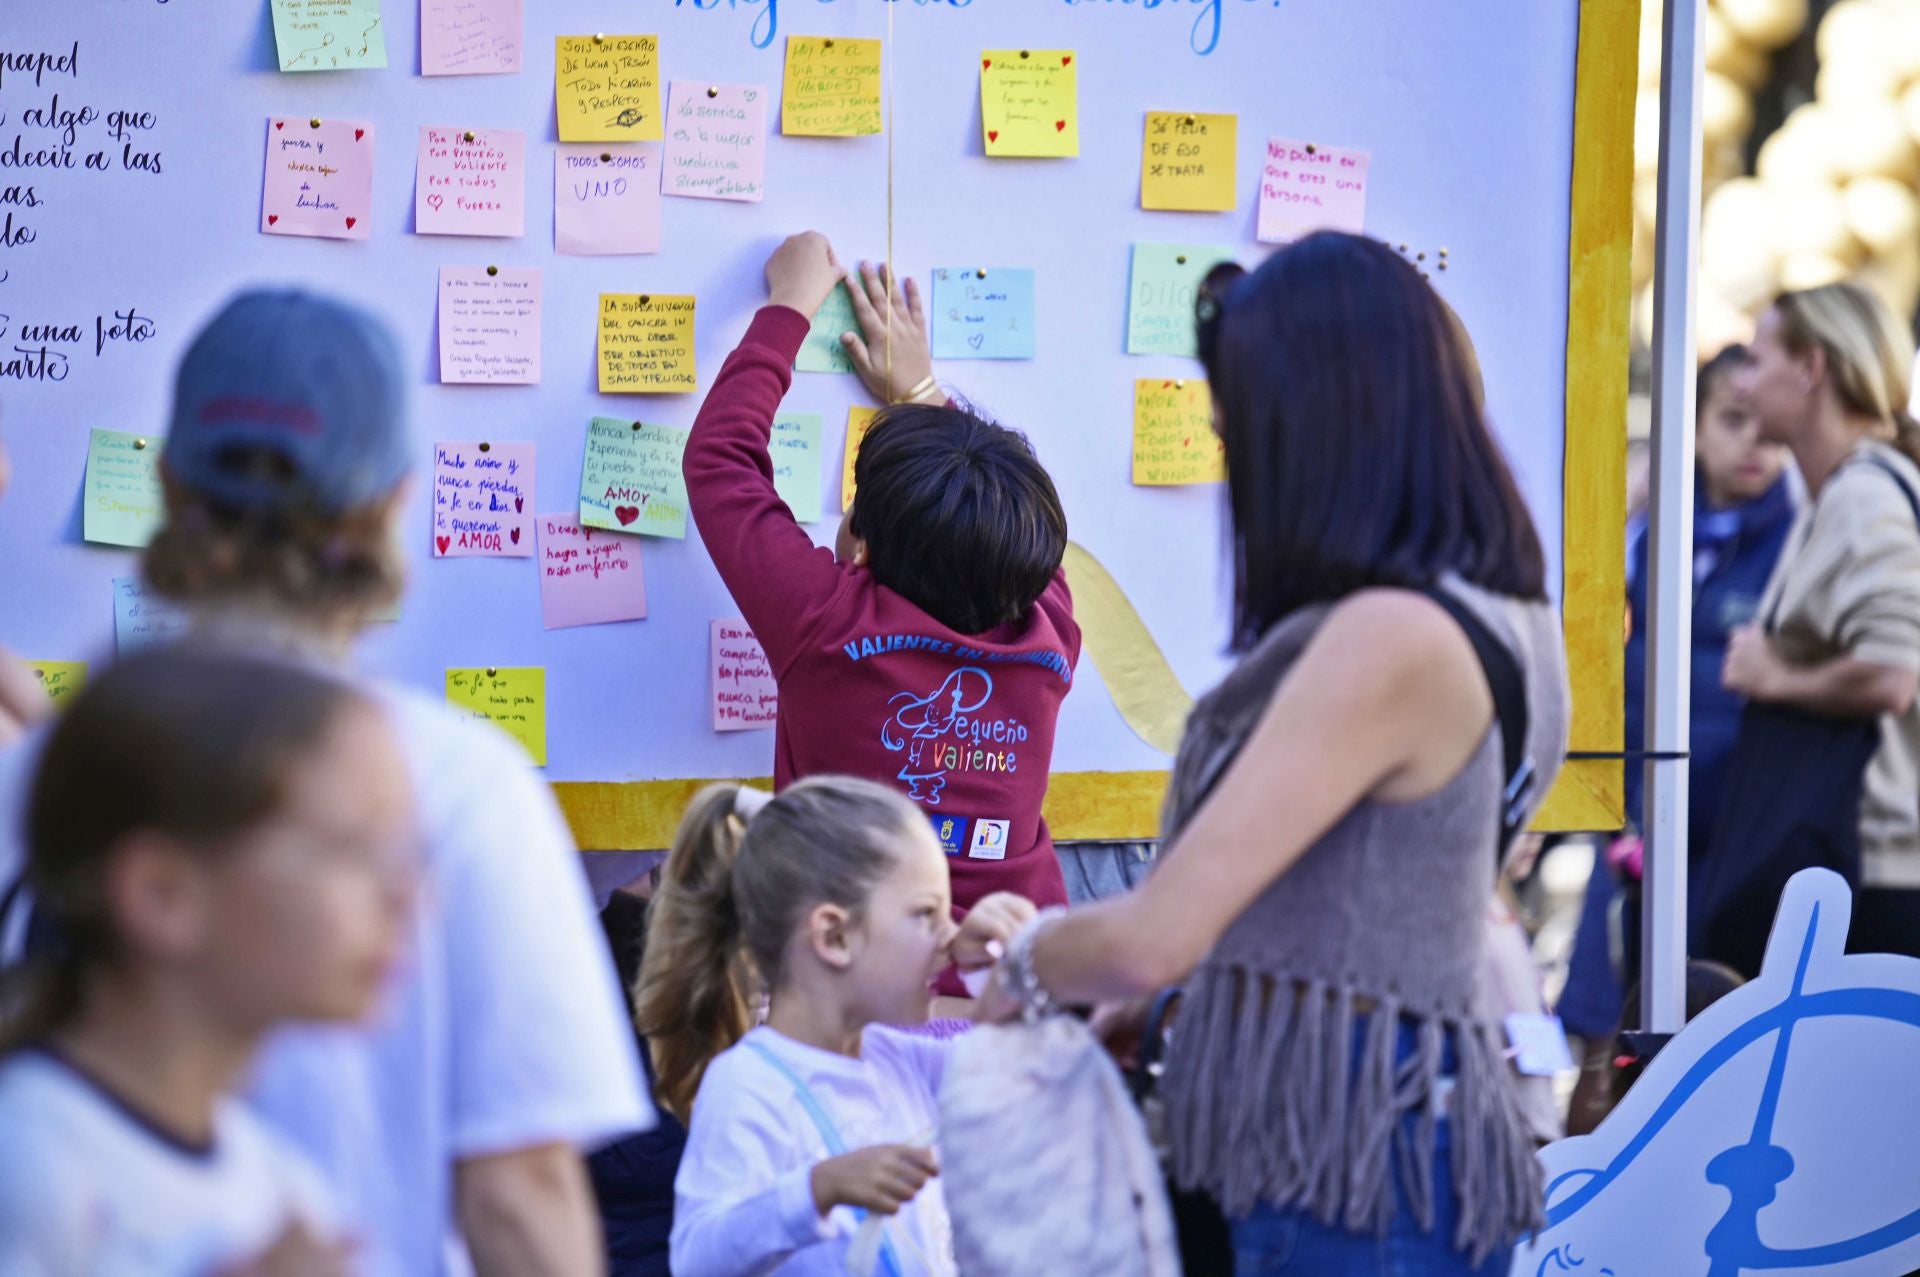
<point>1030,102</point>
<point>631,479</point>
<point>1160,297</point>
<point>328,35</point>
<point>606,198</point>
<point>1188,161</point>
<point>822,351</point>
<point>471,182</point>
<point>745,695</point>
<point>470,37</point>
<point>795,447</point>
<point>59,679</point>
<point>607,87</point>
<point>859,421</point>
<point>1173,438</point>
<point>1306,187</point>
<point>588,576</point>
<point>832,87</point>
<point>646,344</point>
<point>716,141</point>
<point>512,698</point>
<point>490,325</point>
<point>141,619</point>
<point>319,178</point>
<point>983,313</point>
<point>482,500</point>
<point>124,503</point>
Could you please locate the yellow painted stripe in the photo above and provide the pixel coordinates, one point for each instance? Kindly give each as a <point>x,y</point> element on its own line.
<point>1144,687</point>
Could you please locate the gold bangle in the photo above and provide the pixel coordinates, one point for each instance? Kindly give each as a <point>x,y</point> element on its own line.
<point>920,391</point>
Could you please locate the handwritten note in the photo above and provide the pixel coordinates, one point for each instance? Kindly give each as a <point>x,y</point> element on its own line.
<point>328,35</point>
<point>1306,187</point>
<point>796,463</point>
<point>745,695</point>
<point>1188,162</point>
<point>1173,438</point>
<point>588,576</point>
<point>606,199</point>
<point>1166,279</point>
<point>319,178</point>
<point>607,88</point>
<point>631,480</point>
<point>513,699</point>
<point>60,680</point>
<point>1030,102</point>
<point>716,141</point>
<point>482,495</point>
<point>470,37</point>
<point>822,351</point>
<point>832,87</point>
<point>983,313</point>
<point>471,182</point>
<point>646,344</point>
<point>859,421</point>
<point>490,325</point>
<point>141,619</point>
<point>124,502</point>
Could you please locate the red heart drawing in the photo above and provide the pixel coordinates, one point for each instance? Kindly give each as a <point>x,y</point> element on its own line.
<point>519,505</point>
<point>993,135</point>
<point>985,63</point>
<point>358,134</point>
<point>351,221</point>
<point>1186,443</point>
<point>279,124</point>
<point>514,534</point>
<point>1166,385</point>
<point>443,543</point>
<point>626,514</point>
<point>272,218</point>
<point>1066,59</point>
<point>1059,126</point>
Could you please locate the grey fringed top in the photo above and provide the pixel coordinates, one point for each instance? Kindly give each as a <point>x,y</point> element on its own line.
<point>1265,1100</point>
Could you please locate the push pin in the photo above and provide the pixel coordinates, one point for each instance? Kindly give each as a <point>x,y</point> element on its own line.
<point>826,44</point>
<point>493,270</point>
<point>599,39</point>
<point>315,122</point>
<point>1443,263</point>
<point>469,135</point>
<point>486,447</point>
<point>639,425</point>
<point>1189,121</point>
<point>40,674</point>
<point>606,157</point>
<point>644,299</point>
<point>1443,252</point>
<point>1403,248</point>
<point>1179,385</point>
<point>139,445</point>
<point>713,91</point>
<point>982,273</point>
<point>1419,257</point>
<point>1026,53</point>
<point>1311,149</point>
<point>493,671</point>
<point>1180,260</point>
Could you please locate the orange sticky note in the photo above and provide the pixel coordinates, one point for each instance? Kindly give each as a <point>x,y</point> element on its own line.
<point>1187,162</point>
<point>1173,438</point>
<point>1030,102</point>
<point>859,421</point>
<point>832,87</point>
<point>606,88</point>
<point>646,344</point>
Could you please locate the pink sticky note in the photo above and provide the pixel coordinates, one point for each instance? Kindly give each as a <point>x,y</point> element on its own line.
<point>744,693</point>
<point>588,576</point>
<point>490,325</point>
<point>471,182</point>
<point>716,138</point>
<point>470,37</point>
<point>482,500</point>
<point>1307,187</point>
<point>606,198</point>
<point>319,178</point>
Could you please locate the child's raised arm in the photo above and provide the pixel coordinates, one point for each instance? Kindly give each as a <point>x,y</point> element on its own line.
<point>890,352</point>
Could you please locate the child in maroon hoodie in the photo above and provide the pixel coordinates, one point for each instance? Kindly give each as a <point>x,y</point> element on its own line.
<point>932,647</point>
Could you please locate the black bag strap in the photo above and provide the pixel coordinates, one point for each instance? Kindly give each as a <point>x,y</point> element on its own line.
<point>1509,706</point>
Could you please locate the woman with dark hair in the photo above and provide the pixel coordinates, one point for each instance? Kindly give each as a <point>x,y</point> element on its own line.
<point>1336,1083</point>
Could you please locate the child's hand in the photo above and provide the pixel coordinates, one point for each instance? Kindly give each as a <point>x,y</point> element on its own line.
<point>991,923</point>
<point>905,326</point>
<point>802,271</point>
<point>881,1179</point>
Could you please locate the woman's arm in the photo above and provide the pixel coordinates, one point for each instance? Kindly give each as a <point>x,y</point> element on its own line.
<point>1843,687</point>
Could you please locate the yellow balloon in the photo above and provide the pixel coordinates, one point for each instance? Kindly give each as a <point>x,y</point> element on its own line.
<point>1811,221</point>
<point>1850,28</point>
<point>1870,137</point>
<point>1800,151</point>
<point>1765,23</point>
<point>1867,73</point>
<point>1726,112</point>
<point>1883,213</point>
<point>1811,270</point>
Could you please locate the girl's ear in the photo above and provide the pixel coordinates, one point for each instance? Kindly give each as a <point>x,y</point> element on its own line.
<point>830,936</point>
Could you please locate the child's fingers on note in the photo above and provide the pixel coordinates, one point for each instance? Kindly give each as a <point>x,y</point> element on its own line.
<point>914,308</point>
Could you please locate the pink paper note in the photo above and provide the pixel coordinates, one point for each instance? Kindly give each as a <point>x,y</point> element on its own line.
<point>319,178</point>
<point>588,576</point>
<point>606,198</point>
<point>716,137</point>
<point>482,500</point>
<point>470,37</point>
<point>490,325</point>
<point>744,693</point>
<point>471,187</point>
<point>1307,187</point>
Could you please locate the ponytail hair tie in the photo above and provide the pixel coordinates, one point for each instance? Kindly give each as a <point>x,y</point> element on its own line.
<point>747,802</point>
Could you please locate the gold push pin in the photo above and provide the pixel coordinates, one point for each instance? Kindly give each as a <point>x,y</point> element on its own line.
<point>139,445</point>
<point>1180,260</point>
<point>606,157</point>
<point>1311,149</point>
<point>826,44</point>
<point>1443,252</point>
<point>493,671</point>
<point>493,270</point>
<point>644,299</point>
<point>315,122</point>
<point>599,39</point>
<point>637,425</point>
<point>486,447</point>
<point>713,90</point>
<point>982,273</point>
<point>1179,385</point>
<point>1189,121</point>
<point>1443,263</point>
<point>1025,53</point>
<point>469,135</point>
<point>1419,257</point>
<point>1403,248</point>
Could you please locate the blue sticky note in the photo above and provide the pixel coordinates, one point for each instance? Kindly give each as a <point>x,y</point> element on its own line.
<point>142,618</point>
<point>983,313</point>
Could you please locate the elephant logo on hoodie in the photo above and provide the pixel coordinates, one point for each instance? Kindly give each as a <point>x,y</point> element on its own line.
<point>919,719</point>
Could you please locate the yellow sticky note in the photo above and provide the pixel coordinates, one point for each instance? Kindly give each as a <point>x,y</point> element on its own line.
<point>1187,163</point>
<point>59,679</point>
<point>832,87</point>
<point>1030,102</point>
<point>1173,438</point>
<point>607,87</point>
<point>859,421</point>
<point>646,344</point>
<point>514,699</point>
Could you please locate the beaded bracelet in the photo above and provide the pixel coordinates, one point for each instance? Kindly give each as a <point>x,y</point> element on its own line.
<point>1022,981</point>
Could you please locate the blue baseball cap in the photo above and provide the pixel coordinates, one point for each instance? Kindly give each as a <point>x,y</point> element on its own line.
<point>309,378</point>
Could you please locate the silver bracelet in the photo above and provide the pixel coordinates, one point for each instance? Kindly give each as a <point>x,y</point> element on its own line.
<point>1022,981</point>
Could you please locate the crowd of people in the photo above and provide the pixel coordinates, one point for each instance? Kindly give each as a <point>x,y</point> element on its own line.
<point>303,978</point>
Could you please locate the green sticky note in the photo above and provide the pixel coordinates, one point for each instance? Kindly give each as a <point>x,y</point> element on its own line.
<point>59,679</point>
<point>329,35</point>
<point>123,502</point>
<point>822,351</point>
<point>514,700</point>
<point>631,480</point>
<point>1166,278</point>
<point>796,463</point>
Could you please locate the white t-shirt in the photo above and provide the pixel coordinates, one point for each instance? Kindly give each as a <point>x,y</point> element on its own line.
<point>743,1200</point>
<point>88,1187</point>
